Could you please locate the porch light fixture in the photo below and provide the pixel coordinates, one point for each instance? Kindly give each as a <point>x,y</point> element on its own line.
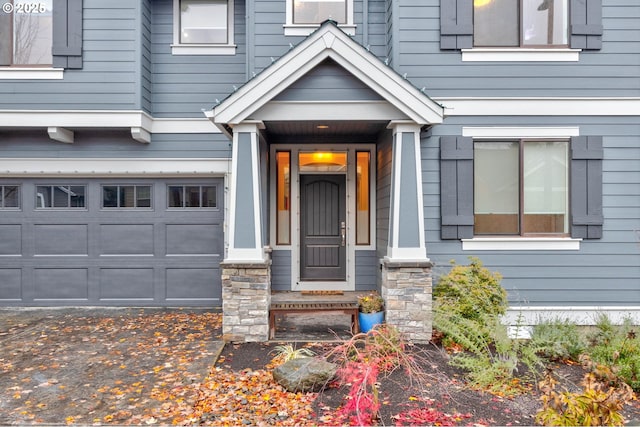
<point>322,127</point>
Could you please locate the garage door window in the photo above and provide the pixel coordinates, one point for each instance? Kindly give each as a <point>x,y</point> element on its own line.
<point>126,196</point>
<point>60,197</point>
<point>9,197</point>
<point>192,196</point>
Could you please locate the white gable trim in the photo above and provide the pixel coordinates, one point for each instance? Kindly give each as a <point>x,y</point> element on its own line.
<point>328,42</point>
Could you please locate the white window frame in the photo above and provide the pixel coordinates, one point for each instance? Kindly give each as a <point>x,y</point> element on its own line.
<point>291,29</point>
<point>178,48</point>
<point>518,243</point>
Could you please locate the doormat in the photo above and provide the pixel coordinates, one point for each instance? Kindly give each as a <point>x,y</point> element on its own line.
<point>322,292</point>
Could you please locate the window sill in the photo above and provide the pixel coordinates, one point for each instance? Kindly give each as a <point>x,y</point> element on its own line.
<point>306,29</point>
<point>520,54</point>
<point>521,244</point>
<point>31,73</point>
<point>203,49</point>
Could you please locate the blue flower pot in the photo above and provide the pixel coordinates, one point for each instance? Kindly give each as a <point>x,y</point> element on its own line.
<point>369,320</point>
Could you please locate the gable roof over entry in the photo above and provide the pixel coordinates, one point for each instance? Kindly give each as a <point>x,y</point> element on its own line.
<point>328,42</point>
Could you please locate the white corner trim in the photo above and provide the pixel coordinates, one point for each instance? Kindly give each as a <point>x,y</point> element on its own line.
<point>521,244</point>
<point>203,49</point>
<point>31,73</point>
<point>60,134</point>
<point>520,55</point>
<point>497,132</point>
<point>112,167</point>
<point>540,106</point>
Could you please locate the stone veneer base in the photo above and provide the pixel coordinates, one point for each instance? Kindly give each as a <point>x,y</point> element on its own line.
<point>406,289</point>
<point>246,296</point>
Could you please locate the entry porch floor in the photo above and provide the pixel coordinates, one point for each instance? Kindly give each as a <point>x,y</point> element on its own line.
<point>312,326</point>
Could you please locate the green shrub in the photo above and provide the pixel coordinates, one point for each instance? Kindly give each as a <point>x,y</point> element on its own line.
<point>467,307</point>
<point>471,291</point>
<point>558,339</point>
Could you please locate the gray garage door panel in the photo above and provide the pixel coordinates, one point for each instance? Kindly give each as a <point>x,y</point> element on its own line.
<point>11,239</point>
<point>154,256</point>
<point>126,239</point>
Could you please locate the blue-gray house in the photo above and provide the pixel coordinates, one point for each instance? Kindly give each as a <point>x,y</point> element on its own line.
<point>211,152</point>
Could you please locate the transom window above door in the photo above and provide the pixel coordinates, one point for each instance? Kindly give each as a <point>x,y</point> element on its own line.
<point>520,23</point>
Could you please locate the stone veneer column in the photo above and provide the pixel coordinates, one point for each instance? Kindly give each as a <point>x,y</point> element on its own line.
<point>406,289</point>
<point>246,296</point>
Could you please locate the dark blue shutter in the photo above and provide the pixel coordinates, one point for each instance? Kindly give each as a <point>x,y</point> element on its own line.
<point>67,33</point>
<point>456,24</point>
<point>586,187</point>
<point>586,24</point>
<point>456,187</point>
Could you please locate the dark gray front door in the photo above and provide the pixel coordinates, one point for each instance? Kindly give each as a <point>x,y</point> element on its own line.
<point>322,227</point>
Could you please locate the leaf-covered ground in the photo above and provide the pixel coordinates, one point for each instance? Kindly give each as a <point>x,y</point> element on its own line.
<point>154,366</point>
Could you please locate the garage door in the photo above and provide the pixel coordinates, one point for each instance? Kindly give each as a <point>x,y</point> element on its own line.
<point>111,242</point>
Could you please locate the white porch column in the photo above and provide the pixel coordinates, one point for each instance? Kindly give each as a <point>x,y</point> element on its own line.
<point>245,214</point>
<point>406,219</point>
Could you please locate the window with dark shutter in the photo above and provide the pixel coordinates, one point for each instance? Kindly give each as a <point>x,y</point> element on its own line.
<point>576,23</point>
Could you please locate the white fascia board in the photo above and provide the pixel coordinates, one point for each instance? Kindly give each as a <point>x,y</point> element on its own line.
<point>113,167</point>
<point>103,119</point>
<point>328,42</point>
<point>541,106</point>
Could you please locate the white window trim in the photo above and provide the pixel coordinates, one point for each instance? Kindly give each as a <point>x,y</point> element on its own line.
<point>178,48</point>
<point>291,29</point>
<point>516,243</point>
<point>520,54</point>
<point>15,73</point>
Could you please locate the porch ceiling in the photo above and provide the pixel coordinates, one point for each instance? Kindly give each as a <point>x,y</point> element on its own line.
<point>324,130</point>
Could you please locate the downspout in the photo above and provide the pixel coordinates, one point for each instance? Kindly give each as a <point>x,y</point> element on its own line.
<point>250,38</point>
<point>365,23</point>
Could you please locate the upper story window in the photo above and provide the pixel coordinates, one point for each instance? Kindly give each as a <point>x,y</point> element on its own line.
<point>26,33</point>
<point>304,16</point>
<point>317,11</point>
<point>523,23</point>
<point>203,27</point>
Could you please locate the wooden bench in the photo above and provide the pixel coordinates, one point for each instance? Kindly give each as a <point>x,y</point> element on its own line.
<point>285,308</point>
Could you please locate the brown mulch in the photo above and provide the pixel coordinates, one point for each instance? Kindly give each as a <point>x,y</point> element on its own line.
<point>158,366</point>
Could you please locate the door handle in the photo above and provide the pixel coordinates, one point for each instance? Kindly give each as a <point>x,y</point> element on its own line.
<point>343,232</point>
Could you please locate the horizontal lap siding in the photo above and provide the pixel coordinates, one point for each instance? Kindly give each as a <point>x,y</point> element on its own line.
<point>281,270</point>
<point>612,71</point>
<point>184,85</point>
<point>603,271</point>
<point>109,78</point>
<point>366,270</point>
<point>146,77</point>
